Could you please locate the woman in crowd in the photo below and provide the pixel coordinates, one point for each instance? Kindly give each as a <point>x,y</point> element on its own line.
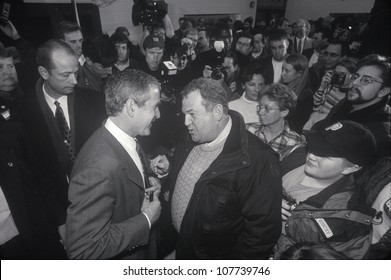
<point>334,86</point>
<point>276,101</point>
<point>253,81</point>
<point>295,75</point>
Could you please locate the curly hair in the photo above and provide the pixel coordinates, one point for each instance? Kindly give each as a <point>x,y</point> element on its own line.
<point>281,94</point>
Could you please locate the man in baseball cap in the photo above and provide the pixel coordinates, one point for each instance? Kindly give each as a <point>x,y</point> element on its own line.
<point>320,203</point>
<point>154,47</point>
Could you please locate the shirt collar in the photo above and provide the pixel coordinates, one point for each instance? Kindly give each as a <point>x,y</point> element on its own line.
<point>247,100</point>
<point>222,136</point>
<point>63,100</point>
<point>123,138</point>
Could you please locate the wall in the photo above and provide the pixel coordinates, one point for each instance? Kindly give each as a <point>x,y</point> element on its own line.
<point>313,9</point>
<point>120,12</point>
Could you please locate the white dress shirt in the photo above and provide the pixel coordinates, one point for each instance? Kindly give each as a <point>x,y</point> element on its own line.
<point>277,69</point>
<point>129,144</point>
<point>63,100</point>
<point>126,141</point>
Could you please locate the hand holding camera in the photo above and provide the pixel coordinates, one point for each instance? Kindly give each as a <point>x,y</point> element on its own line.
<point>326,80</point>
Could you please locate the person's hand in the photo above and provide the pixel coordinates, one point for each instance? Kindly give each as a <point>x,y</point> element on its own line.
<point>10,30</point>
<point>285,210</point>
<point>326,80</point>
<point>155,186</point>
<point>151,208</point>
<point>207,72</point>
<point>61,232</point>
<point>160,165</point>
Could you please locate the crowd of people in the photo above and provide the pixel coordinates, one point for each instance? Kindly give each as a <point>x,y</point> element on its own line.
<point>226,140</point>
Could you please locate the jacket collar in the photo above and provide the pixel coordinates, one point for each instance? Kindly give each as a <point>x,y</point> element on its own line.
<point>344,184</point>
<point>128,166</point>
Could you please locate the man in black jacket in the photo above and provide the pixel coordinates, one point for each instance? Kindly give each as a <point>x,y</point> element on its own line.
<point>225,183</point>
<point>366,102</point>
<point>26,231</point>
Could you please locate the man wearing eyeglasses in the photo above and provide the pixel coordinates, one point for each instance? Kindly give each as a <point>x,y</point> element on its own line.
<point>327,60</point>
<point>366,101</point>
<point>243,48</point>
<point>301,41</point>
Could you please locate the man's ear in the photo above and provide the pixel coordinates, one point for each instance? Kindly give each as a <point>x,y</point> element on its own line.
<point>130,106</point>
<point>383,92</point>
<point>43,72</point>
<point>351,169</point>
<point>218,112</point>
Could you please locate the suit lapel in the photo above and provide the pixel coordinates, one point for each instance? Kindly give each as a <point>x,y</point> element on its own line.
<point>129,167</point>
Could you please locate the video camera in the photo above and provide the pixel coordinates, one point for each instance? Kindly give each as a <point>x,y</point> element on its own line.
<point>148,12</point>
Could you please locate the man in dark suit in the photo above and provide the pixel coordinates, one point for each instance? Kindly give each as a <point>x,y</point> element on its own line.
<point>59,119</point>
<point>25,231</point>
<point>113,203</point>
<point>301,41</point>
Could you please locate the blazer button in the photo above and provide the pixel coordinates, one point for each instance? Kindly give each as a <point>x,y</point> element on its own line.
<point>10,164</point>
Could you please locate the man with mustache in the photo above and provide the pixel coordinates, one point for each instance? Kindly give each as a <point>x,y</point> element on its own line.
<point>367,102</point>
<point>10,93</point>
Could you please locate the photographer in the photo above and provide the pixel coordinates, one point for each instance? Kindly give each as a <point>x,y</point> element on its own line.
<point>334,86</point>
<point>225,69</point>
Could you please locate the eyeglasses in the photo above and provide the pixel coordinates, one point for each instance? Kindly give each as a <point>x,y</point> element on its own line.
<point>241,44</point>
<point>266,108</point>
<point>302,26</point>
<point>364,80</point>
<point>332,55</point>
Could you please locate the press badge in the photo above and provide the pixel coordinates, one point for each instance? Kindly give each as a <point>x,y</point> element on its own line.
<point>325,227</point>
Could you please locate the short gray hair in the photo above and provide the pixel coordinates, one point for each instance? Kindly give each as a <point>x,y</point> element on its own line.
<point>130,83</point>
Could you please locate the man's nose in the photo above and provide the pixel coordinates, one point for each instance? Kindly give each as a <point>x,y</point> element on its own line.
<point>73,78</point>
<point>157,113</point>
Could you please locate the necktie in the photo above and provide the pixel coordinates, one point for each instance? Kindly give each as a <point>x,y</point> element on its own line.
<point>142,157</point>
<point>299,47</point>
<point>66,134</point>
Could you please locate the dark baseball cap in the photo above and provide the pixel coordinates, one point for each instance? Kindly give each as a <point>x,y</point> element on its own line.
<point>344,139</point>
<point>153,41</point>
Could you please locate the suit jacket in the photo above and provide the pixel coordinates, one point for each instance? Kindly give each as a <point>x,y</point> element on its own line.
<point>104,219</point>
<point>24,196</point>
<point>268,70</point>
<point>308,53</point>
<point>293,45</point>
<point>86,113</point>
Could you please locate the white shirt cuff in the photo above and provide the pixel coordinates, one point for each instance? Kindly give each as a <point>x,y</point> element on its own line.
<point>149,222</point>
